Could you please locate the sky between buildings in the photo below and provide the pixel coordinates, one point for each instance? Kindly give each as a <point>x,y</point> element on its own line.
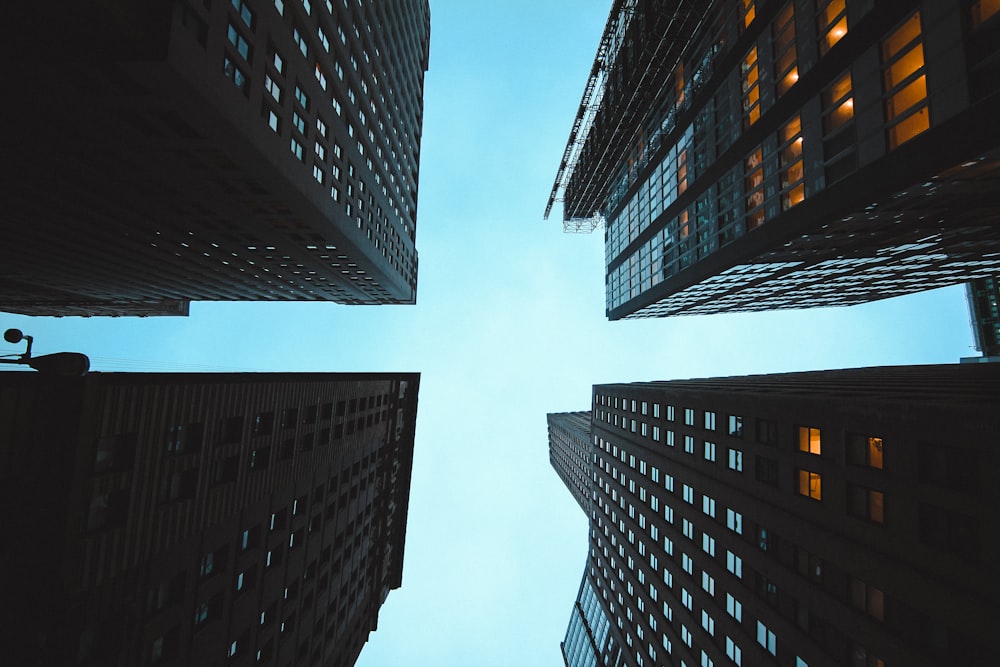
<point>509,325</point>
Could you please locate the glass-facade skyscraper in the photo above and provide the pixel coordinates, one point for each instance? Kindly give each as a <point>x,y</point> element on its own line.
<point>765,154</point>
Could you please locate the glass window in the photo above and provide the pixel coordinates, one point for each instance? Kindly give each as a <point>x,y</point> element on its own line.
<point>810,484</point>
<point>809,440</point>
<point>831,19</point>
<point>906,111</point>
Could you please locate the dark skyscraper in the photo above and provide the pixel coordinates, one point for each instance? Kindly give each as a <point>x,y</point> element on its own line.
<point>569,443</point>
<point>755,154</point>
<point>800,519</point>
<point>244,150</point>
<point>201,519</point>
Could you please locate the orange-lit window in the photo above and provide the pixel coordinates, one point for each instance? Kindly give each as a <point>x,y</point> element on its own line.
<point>785,71</point>
<point>683,228</point>
<point>983,11</point>
<point>839,136</point>
<point>832,23</point>
<point>682,172</point>
<point>679,84</point>
<point>906,112</point>
<point>755,189</point>
<point>790,155</point>
<point>811,484</point>
<point>865,450</point>
<point>838,104</point>
<point>751,88</point>
<point>810,440</point>
<point>747,13</point>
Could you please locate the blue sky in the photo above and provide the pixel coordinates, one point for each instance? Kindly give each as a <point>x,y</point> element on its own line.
<point>509,325</point>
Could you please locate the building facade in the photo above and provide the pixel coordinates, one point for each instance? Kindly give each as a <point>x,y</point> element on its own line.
<point>802,519</point>
<point>569,445</point>
<point>222,151</point>
<point>589,642</point>
<point>764,154</point>
<point>983,296</point>
<point>201,519</point>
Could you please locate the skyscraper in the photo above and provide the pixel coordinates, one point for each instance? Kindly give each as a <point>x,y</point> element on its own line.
<point>569,444</point>
<point>201,519</point>
<point>821,518</point>
<point>984,310</point>
<point>246,150</point>
<point>763,154</point>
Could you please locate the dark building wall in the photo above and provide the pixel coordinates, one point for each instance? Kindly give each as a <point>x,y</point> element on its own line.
<point>739,534</point>
<point>175,519</point>
<point>569,445</point>
<point>256,151</point>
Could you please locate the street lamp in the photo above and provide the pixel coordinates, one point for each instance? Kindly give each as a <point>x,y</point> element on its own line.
<point>61,363</point>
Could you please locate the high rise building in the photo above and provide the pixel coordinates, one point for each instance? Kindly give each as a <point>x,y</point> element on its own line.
<point>799,519</point>
<point>201,519</point>
<point>984,309</point>
<point>763,154</point>
<point>569,444</point>
<point>244,150</point>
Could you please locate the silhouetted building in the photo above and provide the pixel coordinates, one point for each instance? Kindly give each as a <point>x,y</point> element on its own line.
<point>223,151</point>
<point>589,642</point>
<point>821,518</point>
<point>201,519</point>
<point>764,154</point>
<point>984,308</point>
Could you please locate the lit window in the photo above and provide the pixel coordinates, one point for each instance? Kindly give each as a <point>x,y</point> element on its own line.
<point>809,440</point>
<point>747,13</point>
<point>864,450</point>
<point>790,156</point>
<point>785,70</point>
<point>984,10</point>
<point>751,88</point>
<point>810,484</point>
<point>832,23</point>
<point>906,111</point>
